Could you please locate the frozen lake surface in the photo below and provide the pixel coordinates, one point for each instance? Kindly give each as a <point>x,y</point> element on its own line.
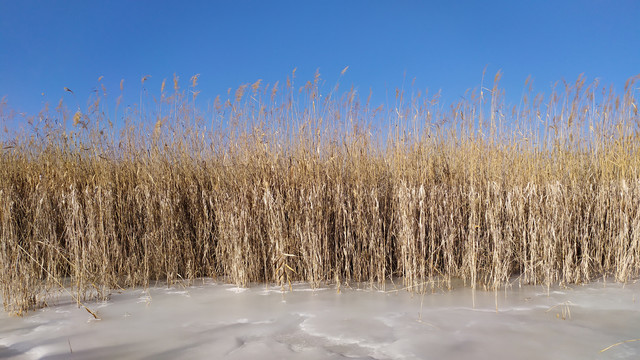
<point>211,320</point>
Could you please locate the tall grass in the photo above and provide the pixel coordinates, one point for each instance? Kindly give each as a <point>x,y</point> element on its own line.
<point>278,184</point>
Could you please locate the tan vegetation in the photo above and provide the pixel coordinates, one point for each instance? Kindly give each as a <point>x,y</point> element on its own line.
<point>277,185</point>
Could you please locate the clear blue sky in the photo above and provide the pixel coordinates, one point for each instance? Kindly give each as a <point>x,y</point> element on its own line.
<point>48,45</point>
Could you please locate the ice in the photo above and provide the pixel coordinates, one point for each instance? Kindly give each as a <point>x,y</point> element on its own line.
<point>221,321</point>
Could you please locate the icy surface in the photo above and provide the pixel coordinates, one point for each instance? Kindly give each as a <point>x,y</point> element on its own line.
<point>211,320</point>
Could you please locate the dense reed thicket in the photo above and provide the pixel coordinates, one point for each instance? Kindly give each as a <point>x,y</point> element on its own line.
<point>278,185</point>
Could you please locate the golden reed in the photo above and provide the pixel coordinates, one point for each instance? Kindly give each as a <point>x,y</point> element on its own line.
<point>279,185</point>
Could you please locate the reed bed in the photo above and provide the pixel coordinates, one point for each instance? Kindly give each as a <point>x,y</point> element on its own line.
<point>274,185</point>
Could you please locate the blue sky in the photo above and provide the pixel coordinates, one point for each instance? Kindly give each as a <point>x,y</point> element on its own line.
<point>48,45</point>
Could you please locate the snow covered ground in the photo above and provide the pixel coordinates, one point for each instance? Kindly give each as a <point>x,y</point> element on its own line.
<point>211,320</point>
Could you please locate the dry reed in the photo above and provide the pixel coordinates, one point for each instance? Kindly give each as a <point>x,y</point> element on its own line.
<point>279,185</point>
